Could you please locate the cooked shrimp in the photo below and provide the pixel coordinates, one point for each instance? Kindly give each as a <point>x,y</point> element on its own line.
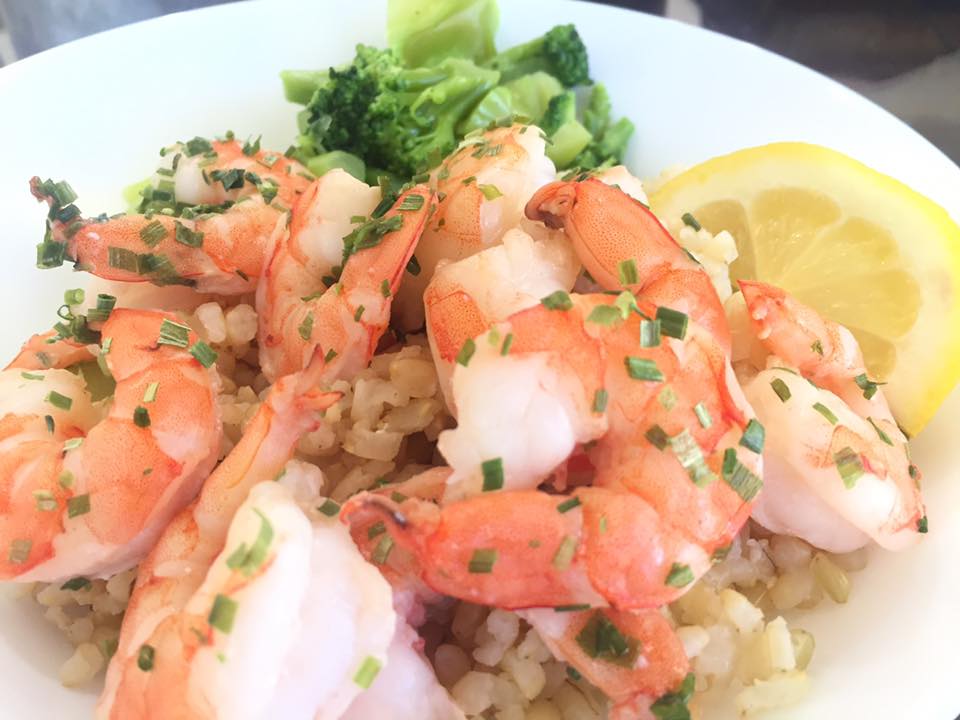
<point>43,351</point>
<point>298,313</point>
<point>665,421</point>
<point>623,245</point>
<point>193,173</point>
<point>837,466</point>
<point>465,297</point>
<point>171,608</point>
<point>634,658</point>
<point>483,186</point>
<point>81,495</point>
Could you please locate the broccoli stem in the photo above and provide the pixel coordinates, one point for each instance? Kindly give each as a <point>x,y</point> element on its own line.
<point>300,85</point>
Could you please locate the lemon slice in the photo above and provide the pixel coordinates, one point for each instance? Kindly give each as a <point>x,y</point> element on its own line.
<point>862,248</point>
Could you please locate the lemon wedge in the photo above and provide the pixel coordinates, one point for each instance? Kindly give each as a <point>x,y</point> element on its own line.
<point>862,248</point>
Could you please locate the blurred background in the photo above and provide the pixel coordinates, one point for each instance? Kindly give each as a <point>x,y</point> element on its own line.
<point>903,54</point>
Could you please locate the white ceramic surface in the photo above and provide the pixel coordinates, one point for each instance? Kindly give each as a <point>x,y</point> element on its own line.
<point>96,112</point>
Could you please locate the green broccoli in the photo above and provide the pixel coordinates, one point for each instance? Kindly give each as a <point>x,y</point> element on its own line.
<point>401,120</point>
<point>567,137</point>
<point>609,141</point>
<point>560,52</point>
<point>424,32</point>
<point>526,97</point>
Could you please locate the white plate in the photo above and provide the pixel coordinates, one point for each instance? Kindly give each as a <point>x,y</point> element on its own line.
<point>96,111</point>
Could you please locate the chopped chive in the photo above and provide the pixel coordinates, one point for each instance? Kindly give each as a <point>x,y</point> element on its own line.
<point>367,672</point>
<point>196,146</point>
<point>781,389</point>
<point>150,394</point>
<point>46,502</point>
<point>173,334</point>
<point>650,333</point>
<point>817,347</point>
<point>627,270</point>
<point>600,398</point>
<point>152,233</point>
<point>141,417</point>
<point>77,583</point>
<point>739,477</point>
<point>534,544</point>
<point>122,259</point>
<point>657,437</point>
<point>880,433</point>
<point>398,497</point>
<point>203,353</point>
<point>564,555</point>
<point>330,508</point>
<point>73,297</point>
<point>381,552</point>
<point>467,181</point>
<point>721,553</point>
<point>378,528</point>
<point>558,300</point>
<point>222,613</point>
<point>826,412</point>
<point>482,561</point>
<point>268,160</point>
<point>490,192</point>
<point>753,436</point>
<point>703,415</point>
<point>568,505</point>
<point>673,705</point>
<point>603,524</point>
<point>690,221</point>
<point>673,323</point>
<point>466,352</point>
<point>868,386</point>
<point>358,313</point>
<point>922,525</point>
<point>507,342</point>
<point>667,397</point>
<point>600,638</point>
<point>331,354</point>
<point>305,329</point>
<point>72,443</point>
<point>145,658</point>
<point>572,672</point>
<point>147,471</point>
<point>251,148</point>
<point>19,551</point>
<point>690,455</point>
<point>65,479</point>
<point>411,202</point>
<point>679,576</point>
<point>413,266</point>
<point>78,505</point>
<point>59,401</point>
<point>248,560</point>
<point>51,426</point>
<point>572,608</point>
<point>31,376</point>
<point>186,236</point>
<point>492,474</point>
<point>604,315</point>
<point>914,472</point>
<point>385,285</point>
<point>643,369</point>
<point>849,466</point>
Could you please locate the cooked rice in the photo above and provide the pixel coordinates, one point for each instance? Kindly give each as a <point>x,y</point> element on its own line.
<point>384,429</point>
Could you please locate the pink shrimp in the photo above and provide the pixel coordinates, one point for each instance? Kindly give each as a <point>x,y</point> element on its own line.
<point>623,245</point>
<point>177,566</point>
<point>665,421</point>
<point>298,313</point>
<point>838,470</point>
<point>43,351</point>
<point>483,185</point>
<point>231,202</point>
<point>81,495</point>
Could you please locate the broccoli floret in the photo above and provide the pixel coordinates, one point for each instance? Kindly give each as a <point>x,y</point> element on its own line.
<point>567,137</point>
<point>609,140</point>
<point>560,52</point>
<point>403,121</point>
